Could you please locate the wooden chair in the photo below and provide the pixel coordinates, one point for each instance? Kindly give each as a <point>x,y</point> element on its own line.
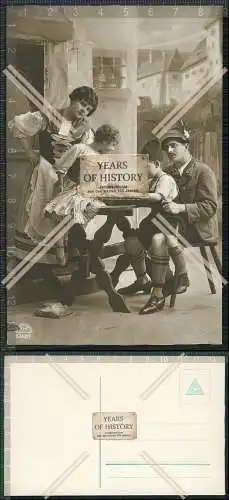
<point>207,267</point>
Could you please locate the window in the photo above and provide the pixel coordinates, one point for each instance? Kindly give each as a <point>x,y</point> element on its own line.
<point>109,69</point>
<point>201,69</point>
<point>213,31</point>
<point>194,72</point>
<point>175,77</point>
<point>213,45</point>
<point>187,75</point>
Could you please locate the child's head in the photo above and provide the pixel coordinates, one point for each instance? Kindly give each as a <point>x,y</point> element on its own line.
<point>107,138</point>
<point>153,150</point>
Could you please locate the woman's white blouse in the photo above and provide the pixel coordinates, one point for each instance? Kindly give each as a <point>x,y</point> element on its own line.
<point>31,123</point>
<point>27,124</point>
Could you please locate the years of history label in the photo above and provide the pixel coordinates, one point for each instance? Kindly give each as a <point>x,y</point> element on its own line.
<point>114,175</point>
<point>114,425</point>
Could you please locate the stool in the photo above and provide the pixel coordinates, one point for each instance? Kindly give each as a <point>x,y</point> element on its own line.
<point>208,270</point>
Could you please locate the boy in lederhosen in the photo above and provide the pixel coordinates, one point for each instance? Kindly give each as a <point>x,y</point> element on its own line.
<point>162,187</point>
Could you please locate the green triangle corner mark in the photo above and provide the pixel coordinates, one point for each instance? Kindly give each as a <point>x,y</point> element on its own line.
<point>195,389</point>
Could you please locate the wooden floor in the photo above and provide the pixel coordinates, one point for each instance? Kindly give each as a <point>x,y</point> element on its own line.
<point>196,319</point>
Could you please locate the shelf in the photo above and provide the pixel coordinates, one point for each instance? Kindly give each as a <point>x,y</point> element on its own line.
<point>116,94</point>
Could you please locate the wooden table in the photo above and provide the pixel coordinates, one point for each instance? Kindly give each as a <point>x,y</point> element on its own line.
<point>116,210</point>
<point>92,251</point>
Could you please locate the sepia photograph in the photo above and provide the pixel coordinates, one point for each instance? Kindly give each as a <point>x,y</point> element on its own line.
<point>114,175</point>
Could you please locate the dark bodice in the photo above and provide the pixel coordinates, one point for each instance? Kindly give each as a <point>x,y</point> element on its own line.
<point>47,147</point>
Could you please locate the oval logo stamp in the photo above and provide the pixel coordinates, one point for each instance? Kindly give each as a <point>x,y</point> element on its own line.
<point>114,425</point>
<point>18,332</point>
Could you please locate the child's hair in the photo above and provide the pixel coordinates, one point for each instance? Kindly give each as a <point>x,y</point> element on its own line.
<point>107,134</point>
<point>153,149</point>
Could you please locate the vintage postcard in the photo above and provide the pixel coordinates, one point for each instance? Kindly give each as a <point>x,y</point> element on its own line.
<point>94,427</point>
<point>114,175</point>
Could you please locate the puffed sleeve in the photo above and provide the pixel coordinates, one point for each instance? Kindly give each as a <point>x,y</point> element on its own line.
<point>27,125</point>
<point>88,137</point>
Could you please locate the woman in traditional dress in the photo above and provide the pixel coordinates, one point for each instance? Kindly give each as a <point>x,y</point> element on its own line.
<point>40,186</point>
<point>32,226</point>
<point>43,184</point>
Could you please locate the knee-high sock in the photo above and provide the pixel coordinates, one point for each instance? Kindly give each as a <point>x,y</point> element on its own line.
<point>177,255</point>
<point>136,253</point>
<point>159,267</point>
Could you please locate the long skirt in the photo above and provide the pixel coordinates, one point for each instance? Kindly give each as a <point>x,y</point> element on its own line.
<point>39,202</point>
<point>32,225</point>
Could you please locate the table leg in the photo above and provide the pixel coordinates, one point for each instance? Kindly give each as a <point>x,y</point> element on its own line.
<point>104,281</point>
<point>93,248</point>
<point>123,261</point>
<point>103,278</point>
<point>103,234</point>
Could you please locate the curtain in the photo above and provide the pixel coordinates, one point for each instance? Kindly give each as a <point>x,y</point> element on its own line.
<point>56,74</point>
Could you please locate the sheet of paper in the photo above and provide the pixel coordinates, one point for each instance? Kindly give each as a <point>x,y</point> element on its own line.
<point>178,407</point>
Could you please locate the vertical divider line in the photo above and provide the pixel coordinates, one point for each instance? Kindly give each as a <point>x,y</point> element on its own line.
<point>100,440</point>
